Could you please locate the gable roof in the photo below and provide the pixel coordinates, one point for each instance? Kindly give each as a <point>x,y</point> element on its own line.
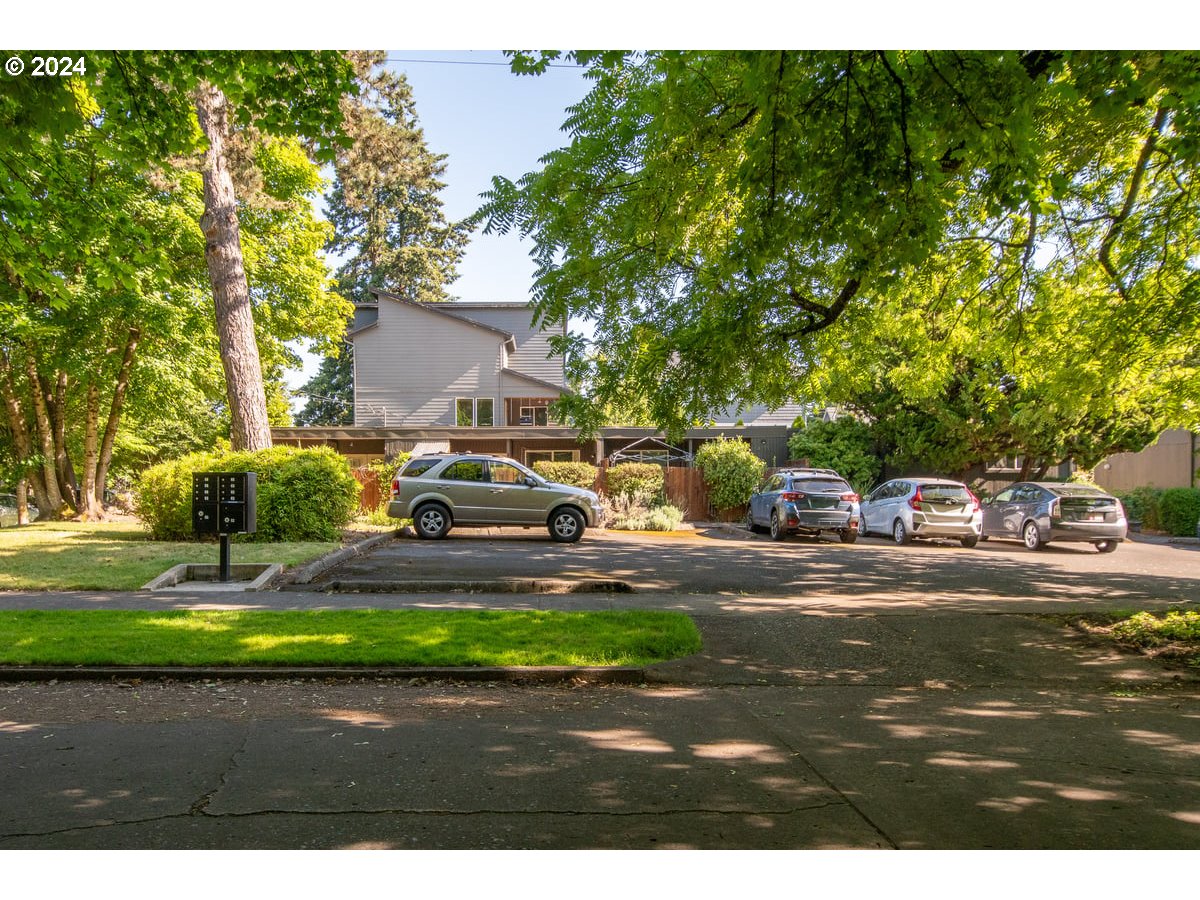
<point>509,338</point>
<point>538,381</point>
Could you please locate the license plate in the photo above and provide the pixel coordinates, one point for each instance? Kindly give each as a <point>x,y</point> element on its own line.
<point>1099,517</point>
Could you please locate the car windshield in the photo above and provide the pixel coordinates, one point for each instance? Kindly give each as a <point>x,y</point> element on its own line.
<point>944,492</point>
<point>820,484</point>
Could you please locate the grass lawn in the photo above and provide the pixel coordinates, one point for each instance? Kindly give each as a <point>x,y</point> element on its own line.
<point>1174,635</point>
<point>344,638</point>
<point>104,556</point>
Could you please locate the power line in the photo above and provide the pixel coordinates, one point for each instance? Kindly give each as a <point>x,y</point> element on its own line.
<point>470,62</point>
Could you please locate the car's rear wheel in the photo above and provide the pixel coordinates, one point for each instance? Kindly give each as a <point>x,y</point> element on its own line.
<point>900,534</point>
<point>566,525</point>
<point>848,535</point>
<point>1107,546</point>
<point>431,521</point>
<point>778,532</point>
<point>969,540</point>
<point>1032,536</point>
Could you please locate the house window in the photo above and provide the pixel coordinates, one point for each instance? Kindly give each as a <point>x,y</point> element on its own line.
<point>533,415</point>
<point>470,411</point>
<point>532,456</point>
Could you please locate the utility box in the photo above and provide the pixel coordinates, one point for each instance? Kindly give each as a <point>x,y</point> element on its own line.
<point>224,502</point>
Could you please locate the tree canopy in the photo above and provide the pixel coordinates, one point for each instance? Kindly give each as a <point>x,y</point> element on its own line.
<point>1017,227</point>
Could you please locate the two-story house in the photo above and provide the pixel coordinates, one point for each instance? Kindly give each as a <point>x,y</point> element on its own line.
<point>479,377</point>
<point>451,364</point>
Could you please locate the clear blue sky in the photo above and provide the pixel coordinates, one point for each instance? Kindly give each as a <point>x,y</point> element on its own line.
<point>488,122</point>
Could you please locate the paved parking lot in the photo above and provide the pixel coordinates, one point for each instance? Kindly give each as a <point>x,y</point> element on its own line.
<point>730,560</point>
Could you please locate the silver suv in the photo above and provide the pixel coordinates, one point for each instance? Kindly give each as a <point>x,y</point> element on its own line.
<point>440,490</point>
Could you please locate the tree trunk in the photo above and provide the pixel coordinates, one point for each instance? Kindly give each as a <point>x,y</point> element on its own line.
<point>231,293</point>
<point>114,415</point>
<point>16,424</point>
<point>91,506</point>
<point>46,440</point>
<point>22,501</point>
<point>68,485</point>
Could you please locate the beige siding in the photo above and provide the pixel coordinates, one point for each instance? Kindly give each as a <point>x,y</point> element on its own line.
<point>532,356</point>
<point>414,363</point>
<point>1170,461</point>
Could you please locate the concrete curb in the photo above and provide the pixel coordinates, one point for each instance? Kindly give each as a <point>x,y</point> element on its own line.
<point>492,586</point>
<point>514,675</point>
<point>247,576</point>
<point>314,569</point>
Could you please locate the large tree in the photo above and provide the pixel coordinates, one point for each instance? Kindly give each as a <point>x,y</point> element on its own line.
<point>157,106</point>
<point>104,273</point>
<point>715,213</point>
<point>389,227</point>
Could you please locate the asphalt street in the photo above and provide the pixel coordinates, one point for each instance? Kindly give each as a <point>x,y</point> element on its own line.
<point>928,707</point>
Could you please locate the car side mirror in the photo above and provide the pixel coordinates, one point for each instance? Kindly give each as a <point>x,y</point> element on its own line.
<point>529,482</point>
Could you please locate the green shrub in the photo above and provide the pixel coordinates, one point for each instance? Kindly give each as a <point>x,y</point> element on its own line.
<point>1141,504</point>
<point>303,495</point>
<point>634,480</point>
<point>846,445</point>
<point>664,518</point>
<point>578,474</point>
<point>731,471</point>
<point>1179,510</point>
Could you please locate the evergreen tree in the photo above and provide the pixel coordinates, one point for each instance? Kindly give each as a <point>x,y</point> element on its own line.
<point>388,223</point>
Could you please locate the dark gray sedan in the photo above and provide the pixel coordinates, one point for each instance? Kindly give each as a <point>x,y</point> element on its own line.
<point>1037,513</point>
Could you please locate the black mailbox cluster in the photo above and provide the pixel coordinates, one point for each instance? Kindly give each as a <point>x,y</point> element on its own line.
<point>224,502</point>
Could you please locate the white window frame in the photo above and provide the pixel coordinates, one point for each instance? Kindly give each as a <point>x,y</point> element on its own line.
<point>553,453</point>
<point>474,401</point>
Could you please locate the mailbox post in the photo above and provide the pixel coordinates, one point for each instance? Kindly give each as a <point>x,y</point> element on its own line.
<point>224,503</point>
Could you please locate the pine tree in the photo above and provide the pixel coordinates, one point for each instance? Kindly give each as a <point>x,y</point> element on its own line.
<point>389,227</point>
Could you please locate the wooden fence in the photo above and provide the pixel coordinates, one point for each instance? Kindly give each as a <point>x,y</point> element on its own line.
<point>373,492</point>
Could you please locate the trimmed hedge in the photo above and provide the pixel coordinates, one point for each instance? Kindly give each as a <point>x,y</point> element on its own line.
<point>577,474</point>
<point>1141,505</point>
<point>634,479</point>
<point>1179,510</point>
<point>731,471</point>
<point>303,495</point>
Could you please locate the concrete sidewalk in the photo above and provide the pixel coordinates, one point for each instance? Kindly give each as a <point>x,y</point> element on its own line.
<point>814,722</point>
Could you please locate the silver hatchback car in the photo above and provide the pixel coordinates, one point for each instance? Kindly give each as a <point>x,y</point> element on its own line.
<point>908,508</point>
<point>439,491</point>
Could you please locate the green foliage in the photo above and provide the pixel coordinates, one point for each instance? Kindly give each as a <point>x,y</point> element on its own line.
<point>634,479</point>
<point>330,392</point>
<point>1006,234</point>
<point>846,445</point>
<point>1149,630</point>
<point>1141,504</point>
<point>1179,511</point>
<point>635,512</point>
<point>579,474</point>
<point>731,471</point>
<point>303,495</point>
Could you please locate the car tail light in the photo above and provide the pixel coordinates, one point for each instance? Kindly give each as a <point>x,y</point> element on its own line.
<point>792,496</point>
<point>915,501</point>
<point>1055,509</point>
<point>396,486</point>
<point>852,497</point>
<point>975,507</point>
